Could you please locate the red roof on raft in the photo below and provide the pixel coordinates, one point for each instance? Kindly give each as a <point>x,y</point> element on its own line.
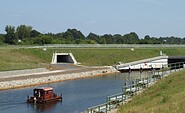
<point>44,88</point>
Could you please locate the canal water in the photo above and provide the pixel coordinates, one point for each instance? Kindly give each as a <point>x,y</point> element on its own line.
<point>78,95</point>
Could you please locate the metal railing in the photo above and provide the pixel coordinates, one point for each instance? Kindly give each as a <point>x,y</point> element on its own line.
<point>133,87</point>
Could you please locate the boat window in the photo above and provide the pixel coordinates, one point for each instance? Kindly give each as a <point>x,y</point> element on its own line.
<point>42,93</point>
<point>50,91</point>
<point>46,92</point>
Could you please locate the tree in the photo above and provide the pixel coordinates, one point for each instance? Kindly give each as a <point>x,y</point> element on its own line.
<point>56,41</point>
<point>94,37</point>
<point>34,33</point>
<point>102,40</point>
<point>1,39</point>
<point>131,38</point>
<point>76,34</point>
<point>23,31</point>
<point>73,34</point>
<point>109,39</point>
<point>10,36</point>
<point>90,42</point>
<point>43,39</point>
<point>151,40</point>
<point>68,35</point>
<point>80,41</point>
<point>119,39</point>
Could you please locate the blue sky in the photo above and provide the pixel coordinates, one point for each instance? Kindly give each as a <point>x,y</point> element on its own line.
<point>145,17</point>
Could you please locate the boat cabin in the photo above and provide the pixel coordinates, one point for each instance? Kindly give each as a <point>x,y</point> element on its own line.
<point>43,92</point>
<point>43,95</point>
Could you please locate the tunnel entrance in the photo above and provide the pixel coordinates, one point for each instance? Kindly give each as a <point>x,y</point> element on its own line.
<point>176,62</point>
<point>63,58</point>
<point>175,59</point>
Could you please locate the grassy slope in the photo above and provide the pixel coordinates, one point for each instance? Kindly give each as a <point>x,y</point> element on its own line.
<point>12,59</point>
<point>167,96</point>
<point>30,58</point>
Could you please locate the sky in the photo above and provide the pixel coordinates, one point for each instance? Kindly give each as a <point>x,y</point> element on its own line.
<point>156,18</point>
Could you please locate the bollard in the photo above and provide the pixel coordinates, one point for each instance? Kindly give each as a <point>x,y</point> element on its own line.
<point>125,87</point>
<point>137,84</point>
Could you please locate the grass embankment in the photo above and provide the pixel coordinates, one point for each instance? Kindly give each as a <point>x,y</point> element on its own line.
<point>167,96</point>
<point>19,58</point>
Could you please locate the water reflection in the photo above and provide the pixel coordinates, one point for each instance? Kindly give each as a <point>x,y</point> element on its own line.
<point>78,95</point>
<point>41,108</point>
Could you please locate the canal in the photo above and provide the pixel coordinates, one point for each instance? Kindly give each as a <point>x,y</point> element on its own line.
<point>78,95</point>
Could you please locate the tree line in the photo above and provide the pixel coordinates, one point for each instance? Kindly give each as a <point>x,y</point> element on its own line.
<point>26,35</point>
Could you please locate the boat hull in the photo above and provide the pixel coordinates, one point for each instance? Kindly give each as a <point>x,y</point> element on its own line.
<point>42,101</point>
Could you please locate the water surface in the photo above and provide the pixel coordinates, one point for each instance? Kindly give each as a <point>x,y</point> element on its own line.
<point>78,95</point>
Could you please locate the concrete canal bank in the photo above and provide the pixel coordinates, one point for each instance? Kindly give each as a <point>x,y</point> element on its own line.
<point>16,80</point>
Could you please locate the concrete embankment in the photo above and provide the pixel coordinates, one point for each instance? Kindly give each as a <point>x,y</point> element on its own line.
<point>24,80</point>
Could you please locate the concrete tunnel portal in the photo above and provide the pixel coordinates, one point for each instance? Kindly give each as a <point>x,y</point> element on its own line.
<point>63,58</point>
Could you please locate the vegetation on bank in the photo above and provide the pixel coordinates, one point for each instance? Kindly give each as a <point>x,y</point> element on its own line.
<point>166,96</point>
<point>26,35</point>
<point>24,58</point>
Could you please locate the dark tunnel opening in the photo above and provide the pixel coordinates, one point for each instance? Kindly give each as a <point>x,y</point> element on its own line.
<point>64,59</point>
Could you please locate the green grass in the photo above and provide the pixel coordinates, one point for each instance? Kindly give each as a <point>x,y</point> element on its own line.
<point>166,96</point>
<point>20,58</point>
<point>12,59</point>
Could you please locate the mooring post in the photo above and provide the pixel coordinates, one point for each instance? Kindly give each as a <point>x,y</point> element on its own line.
<point>99,109</point>
<point>144,82</point>
<point>137,85</point>
<point>140,73</point>
<point>152,69</point>
<point>122,98</point>
<point>147,80</point>
<point>133,84</point>
<point>108,103</point>
<point>129,74</point>
<point>169,65</point>
<point>179,66</point>
<point>106,108</point>
<point>124,89</point>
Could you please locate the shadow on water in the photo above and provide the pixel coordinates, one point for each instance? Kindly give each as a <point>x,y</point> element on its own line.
<point>42,108</point>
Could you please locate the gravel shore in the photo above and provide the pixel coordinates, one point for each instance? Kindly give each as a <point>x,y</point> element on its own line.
<point>24,78</point>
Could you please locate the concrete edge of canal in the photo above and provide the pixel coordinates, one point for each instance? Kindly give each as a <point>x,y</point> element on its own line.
<point>42,78</point>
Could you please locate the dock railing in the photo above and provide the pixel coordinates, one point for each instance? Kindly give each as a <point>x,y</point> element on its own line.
<point>130,88</point>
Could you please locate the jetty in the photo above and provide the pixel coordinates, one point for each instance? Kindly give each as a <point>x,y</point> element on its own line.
<point>155,63</point>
